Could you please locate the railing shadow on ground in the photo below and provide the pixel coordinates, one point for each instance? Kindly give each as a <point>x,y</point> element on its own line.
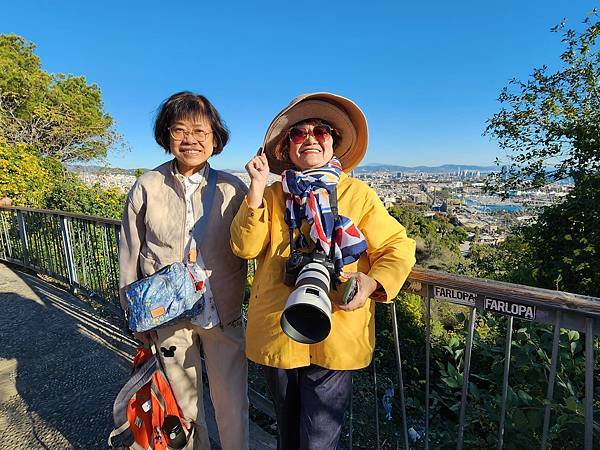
<point>59,394</point>
<point>64,375</point>
<point>395,400</point>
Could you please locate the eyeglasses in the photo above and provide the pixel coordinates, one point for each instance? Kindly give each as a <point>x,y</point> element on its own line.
<point>179,133</point>
<point>298,135</point>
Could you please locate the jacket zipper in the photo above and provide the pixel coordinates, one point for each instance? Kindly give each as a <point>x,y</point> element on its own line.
<point>207,173</point>
<point>195,195</point>
<point>183,230</point>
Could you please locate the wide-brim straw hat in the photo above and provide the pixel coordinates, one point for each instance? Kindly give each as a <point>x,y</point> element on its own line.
<point>340,112</point>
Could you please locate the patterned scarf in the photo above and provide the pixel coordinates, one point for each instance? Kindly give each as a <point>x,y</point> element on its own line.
<point>308,198</point>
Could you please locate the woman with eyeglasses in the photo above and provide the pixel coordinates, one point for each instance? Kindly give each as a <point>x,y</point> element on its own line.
<point>310,232</point>
<point>158,229</point>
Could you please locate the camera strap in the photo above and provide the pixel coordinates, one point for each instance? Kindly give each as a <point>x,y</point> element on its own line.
<point>334,211</point>
<point>292,243</point>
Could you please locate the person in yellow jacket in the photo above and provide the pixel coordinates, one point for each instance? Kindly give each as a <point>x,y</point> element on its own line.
<point>313,143</point>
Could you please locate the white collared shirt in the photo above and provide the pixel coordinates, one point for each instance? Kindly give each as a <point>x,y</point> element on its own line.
<point>209,317</point>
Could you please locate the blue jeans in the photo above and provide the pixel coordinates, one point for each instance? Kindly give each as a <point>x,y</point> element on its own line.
<point>310,403</point>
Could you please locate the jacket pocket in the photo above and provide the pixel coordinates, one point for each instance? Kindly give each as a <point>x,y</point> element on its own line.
<point>148,265</point>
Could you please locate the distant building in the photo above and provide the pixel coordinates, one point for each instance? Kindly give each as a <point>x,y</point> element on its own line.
<point>420,198</point>
<point>388,202</point>
<point>440,207</point>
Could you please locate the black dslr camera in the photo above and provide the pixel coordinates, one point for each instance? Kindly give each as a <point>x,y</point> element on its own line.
<point>306,317</point>
<point>298,260</point>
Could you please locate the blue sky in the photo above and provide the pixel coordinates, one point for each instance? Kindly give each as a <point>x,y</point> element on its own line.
<point>427,74</point>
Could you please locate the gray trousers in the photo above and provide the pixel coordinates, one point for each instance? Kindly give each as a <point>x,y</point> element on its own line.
<point>310,403</point>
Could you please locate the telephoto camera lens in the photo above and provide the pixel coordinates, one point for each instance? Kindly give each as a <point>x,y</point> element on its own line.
<point>174,432</point>
<point>306,317</point>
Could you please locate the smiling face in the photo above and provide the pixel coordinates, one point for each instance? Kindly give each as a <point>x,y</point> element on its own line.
<point>310,153</point>
<point>187,147</point>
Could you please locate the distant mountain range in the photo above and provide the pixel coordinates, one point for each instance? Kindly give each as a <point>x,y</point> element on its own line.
<point>101,169</point>
<point>445,168</point>
<point>372,167</point>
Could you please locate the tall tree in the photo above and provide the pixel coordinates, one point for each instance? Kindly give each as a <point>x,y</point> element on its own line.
<point>549,125</point>
<point>45,121</point>
<point>60,115</point>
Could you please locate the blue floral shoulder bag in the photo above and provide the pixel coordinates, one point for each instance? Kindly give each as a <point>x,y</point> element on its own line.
<point>175,292</point>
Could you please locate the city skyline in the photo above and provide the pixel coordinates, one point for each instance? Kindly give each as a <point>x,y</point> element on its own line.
<point>442,168</point>
<point>427,76</point>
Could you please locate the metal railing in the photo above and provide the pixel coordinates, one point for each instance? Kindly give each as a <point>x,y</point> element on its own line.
<point>82,251</point>
<point>76,249</point>
<point>516,302</point>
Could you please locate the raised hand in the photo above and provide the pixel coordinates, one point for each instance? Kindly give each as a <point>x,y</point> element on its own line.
<point>258,169</point>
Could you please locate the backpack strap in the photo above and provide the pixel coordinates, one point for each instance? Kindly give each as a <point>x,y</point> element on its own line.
<point>207,202</point>
<point>121,436</point>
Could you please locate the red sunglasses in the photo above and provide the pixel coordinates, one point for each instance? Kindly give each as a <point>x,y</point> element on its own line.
<point>298,135</point>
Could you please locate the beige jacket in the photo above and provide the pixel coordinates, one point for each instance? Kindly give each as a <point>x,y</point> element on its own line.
<point>153,234</point>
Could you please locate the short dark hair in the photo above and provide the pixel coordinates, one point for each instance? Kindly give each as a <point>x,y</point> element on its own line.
<point>282,151</point>
<point>184,105</point>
